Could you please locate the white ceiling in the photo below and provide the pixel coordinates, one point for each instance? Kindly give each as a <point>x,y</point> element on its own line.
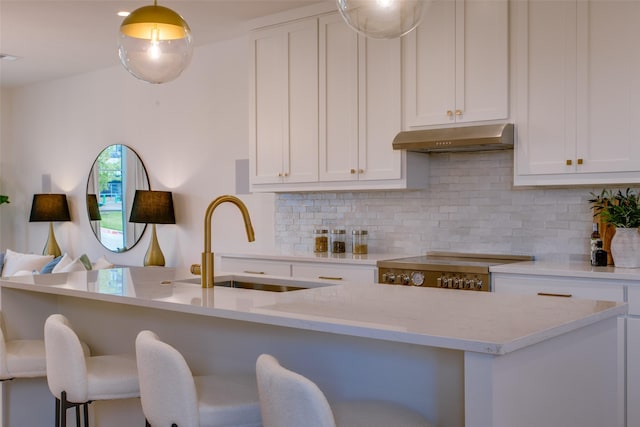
<point>58,38</point>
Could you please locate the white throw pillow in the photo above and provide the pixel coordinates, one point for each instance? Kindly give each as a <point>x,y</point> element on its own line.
<point>16,261</point>
<point>102,263</point>
<point>66,260</point>
<point>25,273</point>
<point>75,265</point>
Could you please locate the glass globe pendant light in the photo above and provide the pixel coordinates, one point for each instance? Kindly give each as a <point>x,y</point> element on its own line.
<point>155,44</point>
<point>382,19</point>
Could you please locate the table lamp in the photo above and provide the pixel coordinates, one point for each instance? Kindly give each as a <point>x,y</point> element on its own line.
<point>92,208</point>
<point>153,207</point>
<point>50,207</point>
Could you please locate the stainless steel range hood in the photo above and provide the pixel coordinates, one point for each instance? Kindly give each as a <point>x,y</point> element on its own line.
<point>468,138</point>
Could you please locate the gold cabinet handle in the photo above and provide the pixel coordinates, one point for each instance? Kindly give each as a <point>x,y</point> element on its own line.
<point>458,112</point>
<point>253,272</point>
<point>449,113</point>
<point>580,161</point>
<point>569,162</point>
<point>329,278</point>
<point>551,294</point>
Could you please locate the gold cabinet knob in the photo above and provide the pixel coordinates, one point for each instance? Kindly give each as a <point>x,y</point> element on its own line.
<point>285,174</point>
<point>449,113</point>
<point>458,112</point>
<point>569,162</point>
<point>580,161</point>
<point>360,170</point>
<point>352,171</point>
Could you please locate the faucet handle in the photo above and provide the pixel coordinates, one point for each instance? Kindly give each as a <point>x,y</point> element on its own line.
<point>195,269</point>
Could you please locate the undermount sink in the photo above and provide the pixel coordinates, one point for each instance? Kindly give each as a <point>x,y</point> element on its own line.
<point>241,284</point>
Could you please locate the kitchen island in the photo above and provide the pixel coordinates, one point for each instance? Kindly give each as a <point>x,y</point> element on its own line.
<point>461,358</point>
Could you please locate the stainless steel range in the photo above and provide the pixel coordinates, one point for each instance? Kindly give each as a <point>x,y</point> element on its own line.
<point>444,270</point>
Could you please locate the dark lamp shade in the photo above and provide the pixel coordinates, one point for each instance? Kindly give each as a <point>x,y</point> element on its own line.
<point>152,207</point>
<point>92,207</point>
<point>49,207</point>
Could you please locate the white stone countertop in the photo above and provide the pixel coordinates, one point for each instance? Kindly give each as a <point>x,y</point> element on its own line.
<point>568,269</point>
<point>470,321</point>
<point>345,258</point>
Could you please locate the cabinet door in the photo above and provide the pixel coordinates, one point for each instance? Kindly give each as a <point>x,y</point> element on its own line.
<point>633,371</point>
<point>456,64</point>
<point>337,272</point>
<point>608,63</point>
<point>429,55</point>
<point>380,110</point>
<point>482,60</point>
<point>547,87</point>
<point>559,287</point>
<point>338,100</point>
<point>284,104</point>
<point>254,266</point>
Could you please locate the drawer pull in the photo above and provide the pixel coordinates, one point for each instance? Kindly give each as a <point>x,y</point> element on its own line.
<point>253,272</point>
<point>549,294</point>
<point>329,278</point>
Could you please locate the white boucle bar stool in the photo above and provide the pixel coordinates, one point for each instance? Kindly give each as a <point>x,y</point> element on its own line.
<point>76,379</point>
<point>21,358</point>
<point>288,399</point>
<point>172,396</point>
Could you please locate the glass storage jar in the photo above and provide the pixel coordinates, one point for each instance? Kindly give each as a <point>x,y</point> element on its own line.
<point>338,242</point>
<point>359,242</point>
<point>320,240</point>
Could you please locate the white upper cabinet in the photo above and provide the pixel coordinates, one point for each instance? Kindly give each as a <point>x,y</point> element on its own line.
<point>325,106</point>
<point>284,104</point>
<point>578,89</point>
<point>456,64</point>
<point>360,104</point>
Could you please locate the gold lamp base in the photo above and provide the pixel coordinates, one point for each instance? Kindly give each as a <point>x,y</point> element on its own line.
<point>51,247</point>
<point>154,256</point>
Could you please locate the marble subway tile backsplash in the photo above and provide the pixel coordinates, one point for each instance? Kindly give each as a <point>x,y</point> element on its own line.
<point>470,205</point>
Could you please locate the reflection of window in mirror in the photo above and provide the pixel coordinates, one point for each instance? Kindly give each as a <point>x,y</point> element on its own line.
<point>114,177</point>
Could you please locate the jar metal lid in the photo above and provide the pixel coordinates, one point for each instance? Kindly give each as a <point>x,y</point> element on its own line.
<point>320,231</point>
<point>337,231</point>
<point>359,232</point>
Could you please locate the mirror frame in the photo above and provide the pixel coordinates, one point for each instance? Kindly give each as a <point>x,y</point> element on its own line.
<point>131,232</point>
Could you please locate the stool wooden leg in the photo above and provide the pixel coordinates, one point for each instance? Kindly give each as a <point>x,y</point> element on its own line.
<point>146,423</point>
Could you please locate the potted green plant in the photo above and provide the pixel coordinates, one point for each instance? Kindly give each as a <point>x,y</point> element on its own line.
<point>621,210</point>
<point>4,199</point>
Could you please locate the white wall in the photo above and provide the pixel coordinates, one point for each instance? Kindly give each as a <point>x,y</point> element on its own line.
<point>188,132</point>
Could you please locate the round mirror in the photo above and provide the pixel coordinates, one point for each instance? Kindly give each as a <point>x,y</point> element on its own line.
<point>115,176</point>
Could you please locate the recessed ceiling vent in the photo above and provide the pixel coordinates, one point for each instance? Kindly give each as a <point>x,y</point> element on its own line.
<point>467,138</point>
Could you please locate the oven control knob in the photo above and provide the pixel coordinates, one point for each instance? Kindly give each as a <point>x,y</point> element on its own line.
<point>456,283</point>
<point>389,277</point>
<point>479,284</point>
<point>467,283</point>
<point>439,282</point>
<point>417,278</point>
<point>445,282</point>
<point>404,279</point>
